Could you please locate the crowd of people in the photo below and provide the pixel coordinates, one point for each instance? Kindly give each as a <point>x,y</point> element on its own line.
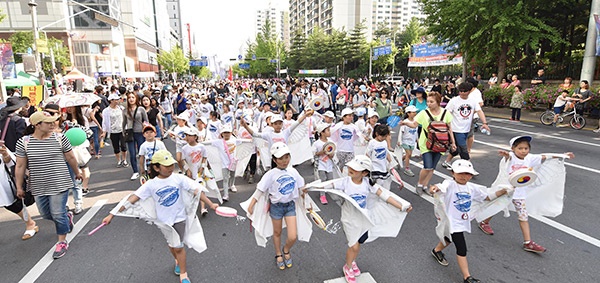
<point>351,116</point>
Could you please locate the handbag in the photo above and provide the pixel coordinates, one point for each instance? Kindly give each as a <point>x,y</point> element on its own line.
<point>128,135</point>
<point>28,199</point>
<point>82,154</point>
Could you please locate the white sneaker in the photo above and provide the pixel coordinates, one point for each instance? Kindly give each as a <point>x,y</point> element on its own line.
<point>597,130</point>
<point>78,209</point>
<point>135,176</point>
<point>233,189</point>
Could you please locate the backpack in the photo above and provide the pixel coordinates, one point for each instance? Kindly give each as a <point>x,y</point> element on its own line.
<point>438,138</point>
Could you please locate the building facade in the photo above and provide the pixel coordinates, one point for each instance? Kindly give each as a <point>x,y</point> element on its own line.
<point>279,21</point>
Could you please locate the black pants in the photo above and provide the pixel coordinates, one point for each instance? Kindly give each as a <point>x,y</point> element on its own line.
<point>516,114</point>
<point>459,242</point>
<point>252,164</point>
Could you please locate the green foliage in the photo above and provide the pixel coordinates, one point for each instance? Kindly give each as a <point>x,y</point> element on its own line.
<point>201,72</point>
<point>22,40</point>
<point>410,35</point>
<point>266,47</point>
<point>543,95</point>
<point>173,61</point>
<point>497,96</point>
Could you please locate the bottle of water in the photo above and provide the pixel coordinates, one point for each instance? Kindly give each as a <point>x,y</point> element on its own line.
<point>486,132</point>
<point>78,183</point>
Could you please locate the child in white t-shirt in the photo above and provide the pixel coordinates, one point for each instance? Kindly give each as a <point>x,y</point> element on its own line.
<point>227,116</point>
<point>520,158</point>
<point>178,133</point>
<point>377,150</point>
<point>458,195</point>
<point>166,190</point>
<point>323,160</point>
<point>344,134</point>
<point>288,121</point>
<point>358,187</point>
<point>148,148</point>
<point>283,184</point>
<point>214,125</point>
<point>408,140</point>
<point>195,158</point>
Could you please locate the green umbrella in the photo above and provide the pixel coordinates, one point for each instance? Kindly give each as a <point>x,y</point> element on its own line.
<point>33,78</point>
<point>18,82</point>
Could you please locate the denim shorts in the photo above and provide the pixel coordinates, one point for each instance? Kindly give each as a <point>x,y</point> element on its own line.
<point>558,110</point>
<point>430,159</point>
<point>281,210</point>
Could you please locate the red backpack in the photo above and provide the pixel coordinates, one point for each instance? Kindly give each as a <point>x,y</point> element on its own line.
<point>437,134</point>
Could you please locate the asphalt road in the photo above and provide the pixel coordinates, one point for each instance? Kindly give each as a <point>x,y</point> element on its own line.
<point>130,250</point>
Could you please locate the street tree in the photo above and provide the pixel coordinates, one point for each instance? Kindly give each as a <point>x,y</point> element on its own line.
<point>173,61</point>
<point>22,40</point>
<point>485,30</point>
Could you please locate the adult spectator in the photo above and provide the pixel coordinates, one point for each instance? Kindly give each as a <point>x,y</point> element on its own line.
<point>567,84</point>
<point>333,90</point>
<point>420,100</point>
<point>134,118</point>
<point>476,93</point>
<point>112,123</point>
<point>12,126</point>
<point>449,93</point>
<point>180,101</point>
<point>153,113</point>
<point>260,94</point>
<point>515,81</point>
<point>383,106</point>
<point>46,154</point>
<point>437,87</point>
<point>539,79</point>
<point>166,108</point>
<point>294,101</point>
<point>463,109</point>
<point>493,80</point>
<point>582,95</point>
<point>430,158</point>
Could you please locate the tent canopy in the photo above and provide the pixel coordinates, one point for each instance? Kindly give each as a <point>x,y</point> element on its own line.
<point>77,75</point>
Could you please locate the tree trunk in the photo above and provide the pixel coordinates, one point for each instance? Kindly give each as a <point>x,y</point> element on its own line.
<point>464,66</point>
<point>502,59</point>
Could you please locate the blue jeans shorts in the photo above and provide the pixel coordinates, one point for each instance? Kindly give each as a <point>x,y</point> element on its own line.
<point>281,210</point>
<point>430,159</point>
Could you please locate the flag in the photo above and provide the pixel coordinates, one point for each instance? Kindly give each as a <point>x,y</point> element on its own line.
<point>230,75</point>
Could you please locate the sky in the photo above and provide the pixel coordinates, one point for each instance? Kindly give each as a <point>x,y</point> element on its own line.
<point>223,27</point>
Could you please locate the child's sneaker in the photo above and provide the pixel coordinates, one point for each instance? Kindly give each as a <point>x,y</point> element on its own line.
<point>349,274</point>
<point>355,269</point>
<point>470,279</point>
<point>251,179</point>
<point>177,270</point>
<point>323,199</point>
<point>447,165</point>
<point>204,212</point>
<point>419,190</point>
<point>486,228</point>
<point>186,280</point>
<point>439,256</point>
<point>533,247</point>
<point>61,250</point>
<point>70,217</point>
<point>409,172</point>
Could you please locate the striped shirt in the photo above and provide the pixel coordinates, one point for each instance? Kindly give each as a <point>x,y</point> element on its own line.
<point>48,172</point>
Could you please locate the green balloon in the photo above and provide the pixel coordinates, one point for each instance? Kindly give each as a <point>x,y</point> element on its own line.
<point>76,136</point>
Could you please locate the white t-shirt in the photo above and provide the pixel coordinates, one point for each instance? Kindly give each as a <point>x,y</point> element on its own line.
<point>478,97</point>
<point>458,199</point>
<point>462,110</point>
<point>116,119</point>
<point>214,129</point>
<point>325,162</point>
<point>361,124</point>
<point>358,192</point>
<point>345,135</point>
<point>378,152</point>
<point>147,149</point>
<point>282,185</point>
<point>180,134</point>
<point>166,194</point>
<point>287,123</point>
<point>272,137</point>
<point>560,101</point>
<point>193,157</point>
<point>531,160</point>
<point>409,135</point>
<point>205,109</point>
<point>227,119</point>
<point>232,143</point>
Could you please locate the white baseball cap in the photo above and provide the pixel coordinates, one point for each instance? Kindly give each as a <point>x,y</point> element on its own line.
<point>410,108</point>
<point>203,120</point>
<point>360,163</point>
<point>360,111</point>
<point>279,149</point>
<point>114,96</point>
<point>191,131</point>
<point>275,118</point>
<point>329,114</point>
<point>183,116</point>
<point>372,113</point>
<point>347,111</point>
<point>463,166</point>
<point>226,129</point>
<point>322,126</point>
<point>513,140</point>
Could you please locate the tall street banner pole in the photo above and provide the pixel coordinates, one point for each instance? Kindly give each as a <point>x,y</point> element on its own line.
<point>589,59</point>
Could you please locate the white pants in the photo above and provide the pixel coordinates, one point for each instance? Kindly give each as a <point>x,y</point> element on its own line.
<point>228,181</point>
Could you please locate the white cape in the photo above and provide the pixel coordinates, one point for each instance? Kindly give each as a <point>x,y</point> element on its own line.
<point>380,220</point>
<point>242,153</point>
<point>298,143</point>
<point>145,209</point>
<point>208,180</point>
<point>263,226</point>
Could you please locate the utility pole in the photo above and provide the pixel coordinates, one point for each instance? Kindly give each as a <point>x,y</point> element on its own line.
<point>36,36</point>
<point>589,58</point>
<point>370,61</point>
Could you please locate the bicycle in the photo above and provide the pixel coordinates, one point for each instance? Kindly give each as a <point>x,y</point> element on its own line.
<point>577,122</point>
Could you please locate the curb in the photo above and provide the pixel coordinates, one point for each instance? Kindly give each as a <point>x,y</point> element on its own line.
<point>527,119</point>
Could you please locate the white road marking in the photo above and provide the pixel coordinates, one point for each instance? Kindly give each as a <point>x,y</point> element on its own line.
<point>47,259</point>
<point>566,163</point>
<point>544,135</point>
<point>543,219</point>
<point>511,122</point>
<point>363,278</point>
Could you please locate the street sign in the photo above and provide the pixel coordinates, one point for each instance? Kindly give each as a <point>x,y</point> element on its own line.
<point>240,57</point>
<point>106,19</point>
<point>253,56</point>
<point>244,66</point>
<point>203,57</point>
<point>388,41</point>
<point>42,45</point>
<point>29,50</point>
<point>273,61</point>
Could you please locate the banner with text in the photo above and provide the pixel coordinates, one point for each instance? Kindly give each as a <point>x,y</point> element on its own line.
<point>429,54</point>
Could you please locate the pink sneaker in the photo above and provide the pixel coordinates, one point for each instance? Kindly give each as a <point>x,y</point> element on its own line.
<point>323,199</point>
<point>355,269</point>
<point>349,274</point>
<point>486,228</point>
<point>533,247</point>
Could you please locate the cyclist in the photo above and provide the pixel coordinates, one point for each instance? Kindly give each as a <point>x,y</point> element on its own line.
<point>559,104</point>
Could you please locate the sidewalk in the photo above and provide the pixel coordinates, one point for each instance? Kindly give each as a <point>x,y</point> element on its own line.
<point>533,116</point>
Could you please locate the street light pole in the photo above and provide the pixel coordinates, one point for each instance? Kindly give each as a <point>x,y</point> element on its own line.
<point>36,36</point>
<point>589,57</point>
